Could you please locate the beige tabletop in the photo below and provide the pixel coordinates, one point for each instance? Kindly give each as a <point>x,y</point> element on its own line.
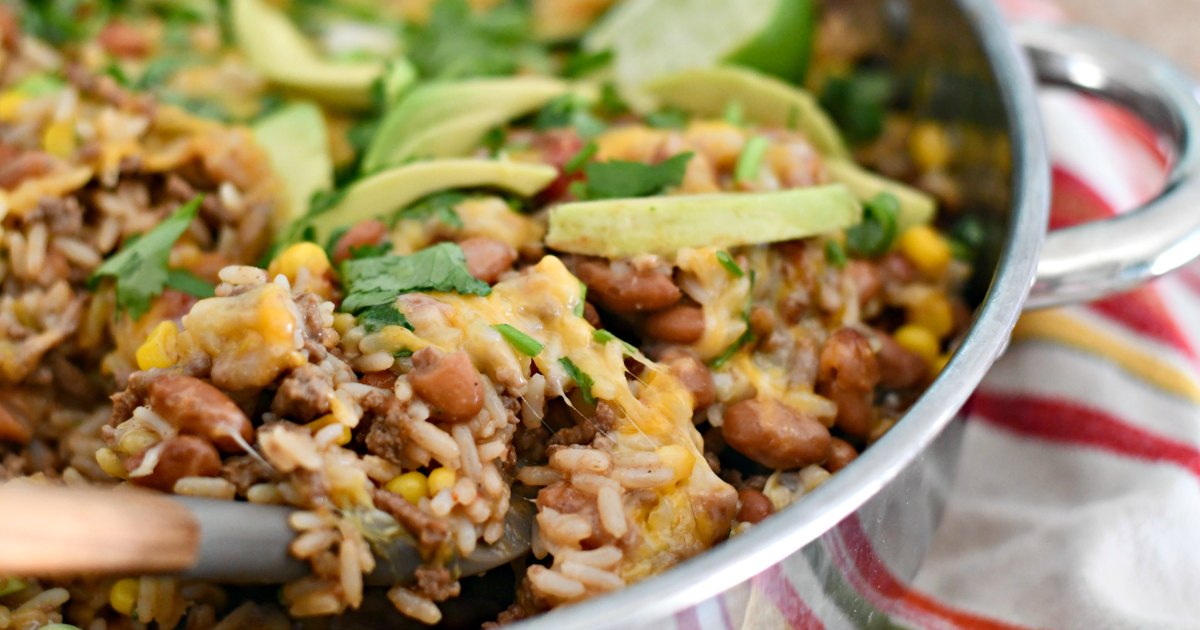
<point>1169,26</point>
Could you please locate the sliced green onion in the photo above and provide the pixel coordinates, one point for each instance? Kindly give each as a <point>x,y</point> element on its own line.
<point>603,336</point>
<point>835,254</point>
<point>750,161</point>
<point>523,343</point>
<point>733,349</point>
<point>579,159</point>
<point>734,113</point>
<point>579,309</point>
<point>729,264</point>
<point>581,378</point>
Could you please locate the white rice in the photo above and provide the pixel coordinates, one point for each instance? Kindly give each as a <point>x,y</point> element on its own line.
<point>612,512</point>
<point>208,487</point>
<point>578,460</point>
<point>591,576</point>
<point>555,584</point>
<point>437,442</point>
<point>412,605</point>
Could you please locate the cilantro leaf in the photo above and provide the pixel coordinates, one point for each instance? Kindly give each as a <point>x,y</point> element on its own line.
<point>376,317</point>
<point>370,251</point>
<point>140,268</point>
<point>577,161</point>
<point>373,281</point>
<point>878,230</point>
<point>569,110</point>
<point>523,343</point>
<point>457,42</point>
<point>835,254</point>
<point>581,378</point>
<point>187,282</point>
<point>438,205</point>
<point>619,179</point>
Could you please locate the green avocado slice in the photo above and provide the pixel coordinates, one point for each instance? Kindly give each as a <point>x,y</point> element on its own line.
<point>297,144</point>
<point>916,207</point>
<point>277,49</point>
<point>620,228</point>
<point>765,100</point>
<point>389,191</point>
<point>449,119</point>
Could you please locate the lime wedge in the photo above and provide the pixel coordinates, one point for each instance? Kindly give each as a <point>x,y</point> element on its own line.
<point>652,38</point>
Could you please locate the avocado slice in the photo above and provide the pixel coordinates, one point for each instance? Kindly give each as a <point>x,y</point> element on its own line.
<point>410,129</point>
<point>277,49</point>
<point>392,190</point>
<point>765,100</point>
<point>620,228</point>
<point>916,207</point>
<point>297,143</point>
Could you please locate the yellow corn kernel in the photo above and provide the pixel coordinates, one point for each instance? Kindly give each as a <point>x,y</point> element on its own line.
<point>918,340</point>
<point>929,146</point>
<point>10,105</point>
<point>110,463</point>
<point>343,322</point>
<point>320,423</point>
<point>678,459</point>
<point>926,248</point>
<point>123,595</point>
<point>441,479</point>
<point>59,138</point>
<point>934,314</point>
<point>411,485</point>
<point>308,256</point>
<point>160,349</point>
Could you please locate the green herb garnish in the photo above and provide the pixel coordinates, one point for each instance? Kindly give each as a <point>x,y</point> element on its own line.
<point>875,235</point>
<point>603,336</point>
<point>749,162</point>
<point>729,264</point>
<point>834,254</point>
<point>140,268</point>
<point>523,343</point>
<point>583,62</point>
<point>377,317</point>
<point>569,110</point>
<point>619,179</point>
<point>439,206</point>
<point>187,282</point>
<point>458,42</point>
<point>728,353</point>
<point>580,307</point>
<point>371,251</point>
<point>442,268</point>
<point>580,158</point>
<point>667,119</point>
<point>581,378</point>
<point>858,103</point>
<point>734,114</point>
<point>11,585</point>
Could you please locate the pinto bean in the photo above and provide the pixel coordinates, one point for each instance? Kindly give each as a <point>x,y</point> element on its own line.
<point>448,382</point>
<point>624,289</point>
<point>682,323</point>
<point>12,430</point>
<point>124,40</point>
<point>847,374</point>
<point>841,453</point>
<point>899,368</point>
<point>370,232</point>
<point>693,374</point>
<point>181,456</point>
<point>763,321</point>
<point>774,434</point>
<point>196,407</point>
<point>866,278</point>
<point>487,258</point>
<point>592,316</point>
<point>753,506</point>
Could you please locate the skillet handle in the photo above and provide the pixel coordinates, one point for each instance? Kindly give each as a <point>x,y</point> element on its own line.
<point>1095,259</point>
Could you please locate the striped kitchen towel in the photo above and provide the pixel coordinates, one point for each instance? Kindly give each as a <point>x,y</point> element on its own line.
<point>1077,503</point>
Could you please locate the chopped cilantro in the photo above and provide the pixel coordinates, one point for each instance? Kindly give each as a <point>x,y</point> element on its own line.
<point>603,336</point>
<point>583,63</point>
<point>569,110</point>
<point>874,236</point>
<point>494,140</point>
<point>187,282</point>
<point>669,118</point>
<point>442,268</point>
<point>523,343</point>
<point>858,103</point>
<point>750,160</point>
<point>140,268</point>
<point>323,200</point>
<point>457,42</point>
<point>611,103</point>
<point>617,179</point>
<point>835,254</point>
<point>159,71</point>
<point>371,251</point>
<point>439,206</point>
<point>377,317</point>
<point>729,264</point>
<point>579,159</point>
<point>581,378</point>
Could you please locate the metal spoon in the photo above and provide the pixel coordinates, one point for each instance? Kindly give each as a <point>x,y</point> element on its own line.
<point>57,532</point>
